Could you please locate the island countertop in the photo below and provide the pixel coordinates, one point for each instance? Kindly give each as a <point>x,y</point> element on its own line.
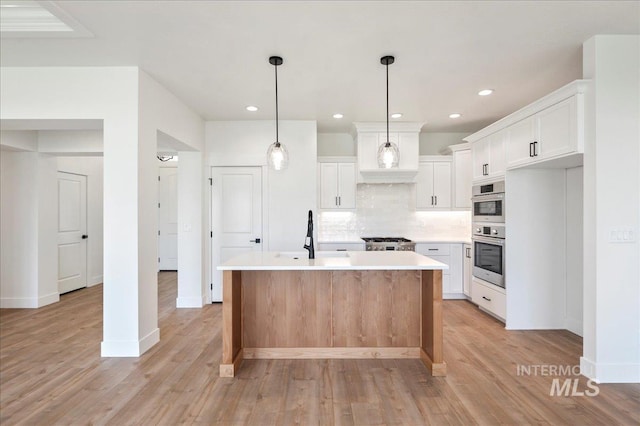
<point>331,261</point>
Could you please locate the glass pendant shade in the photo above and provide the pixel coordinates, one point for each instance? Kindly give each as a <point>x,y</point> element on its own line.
<point>388,155</point>
<point>277,156</point>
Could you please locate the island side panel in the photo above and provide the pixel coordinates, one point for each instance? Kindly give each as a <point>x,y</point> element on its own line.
<point>286,309</point>
<point>432,339</point>
<point>376,309</point>
<point>231,323</point>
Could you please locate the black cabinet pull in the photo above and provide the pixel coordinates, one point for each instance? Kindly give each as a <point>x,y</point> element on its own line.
<point>84,237</point>
<point>486,298</point>
<point>535,148</point>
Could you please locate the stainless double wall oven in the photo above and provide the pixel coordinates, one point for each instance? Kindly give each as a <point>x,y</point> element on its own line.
<point>489,233</point>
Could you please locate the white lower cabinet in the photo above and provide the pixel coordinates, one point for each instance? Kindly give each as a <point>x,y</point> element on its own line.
<point>341,246</point>
<point>490,298</point>
<point>451,255</point>
<point>467,270</point>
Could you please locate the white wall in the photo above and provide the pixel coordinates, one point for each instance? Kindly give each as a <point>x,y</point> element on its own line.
<point>535,243</point>
<point>611,346</point>
<point>28,270</point>
<point>432,143</point>
<point>336,144</point>
<point>288,194</point>
<point>132,108</point>
<point>19,140</point>
<point>92,167</point>
<point>574,297</point>
<point>69,142</point>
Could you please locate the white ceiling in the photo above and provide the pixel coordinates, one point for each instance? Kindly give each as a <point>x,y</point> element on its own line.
<point>213,54</point>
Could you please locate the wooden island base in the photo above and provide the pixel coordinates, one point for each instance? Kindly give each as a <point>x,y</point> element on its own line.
<point>317,314</point>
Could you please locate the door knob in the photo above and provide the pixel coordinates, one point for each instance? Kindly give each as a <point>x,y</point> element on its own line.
<point>84,237</point>
<point>257,241</point>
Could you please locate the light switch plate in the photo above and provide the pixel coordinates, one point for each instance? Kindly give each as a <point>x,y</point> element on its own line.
<point>623,235</point>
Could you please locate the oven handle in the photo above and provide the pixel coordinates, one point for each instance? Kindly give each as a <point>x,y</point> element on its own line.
<point>488,240</point>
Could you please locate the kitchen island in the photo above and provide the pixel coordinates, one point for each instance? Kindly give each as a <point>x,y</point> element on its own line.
<point>338,305</point>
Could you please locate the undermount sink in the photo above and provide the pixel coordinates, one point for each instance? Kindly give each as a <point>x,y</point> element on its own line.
<point>305,254</point>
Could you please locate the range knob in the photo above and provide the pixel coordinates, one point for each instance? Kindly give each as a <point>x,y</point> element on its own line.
<point>478,230</point>
<point>494,231</point>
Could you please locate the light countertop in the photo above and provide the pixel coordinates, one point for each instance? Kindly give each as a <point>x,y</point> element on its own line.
<point>331,260</point>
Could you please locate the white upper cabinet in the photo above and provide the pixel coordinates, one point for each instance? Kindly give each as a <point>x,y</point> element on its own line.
<point>433,185</point>
<point>462,179</point>
<point>488,157</point>
<point>370,136</point>
<point>549,130</point>
<point>547,134</point>
<point>337,185</point>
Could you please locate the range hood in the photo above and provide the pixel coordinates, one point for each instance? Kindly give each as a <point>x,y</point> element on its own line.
<point>370,136</point>
<point>388,176</point>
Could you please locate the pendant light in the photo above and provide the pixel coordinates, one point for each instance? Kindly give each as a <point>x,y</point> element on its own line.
<point>388,152</point>
<point>277,155</point>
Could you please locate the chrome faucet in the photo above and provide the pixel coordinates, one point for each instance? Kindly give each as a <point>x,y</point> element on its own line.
<point>308,242</point>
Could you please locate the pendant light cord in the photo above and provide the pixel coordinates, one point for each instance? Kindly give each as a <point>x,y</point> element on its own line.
<point>277,139</point>
<point>387,66</point>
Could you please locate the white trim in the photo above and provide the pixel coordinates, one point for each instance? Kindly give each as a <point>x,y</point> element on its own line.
<point>190,302</point>
<point>565,92</point>
<point>340,159</point>
<point>95,280</point>
<point>449,150</point>
<point>573,325</point>
<point>431,158</point>
<point>395,127</point>
<point>129,348</point>
<point>48,299</point>
<point>18,303</point>
<point>610,373</point>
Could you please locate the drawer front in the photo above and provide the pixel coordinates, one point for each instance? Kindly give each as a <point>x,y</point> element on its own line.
<point>444,259</point>
<point>488,298</point>
<point>341,247</point>
<point>433,249</point>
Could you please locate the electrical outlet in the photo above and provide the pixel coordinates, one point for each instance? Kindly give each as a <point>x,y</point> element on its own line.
<point>623,235</point>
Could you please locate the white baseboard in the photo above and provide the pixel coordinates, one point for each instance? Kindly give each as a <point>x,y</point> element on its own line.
<point>610,373</point>
<point>129,348</point>
<point>98,279</point>
<point>48,299</point>
<point>189,302</point>
<point>454,296</point>
<point>573,325</point>
<point>18,303</point>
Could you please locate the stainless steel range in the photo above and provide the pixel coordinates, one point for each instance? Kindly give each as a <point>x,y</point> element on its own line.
<point>388,244</point>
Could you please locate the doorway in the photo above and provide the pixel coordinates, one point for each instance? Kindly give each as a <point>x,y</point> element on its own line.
<point>168,219</point>
<point>236,217</point>
<point>72,232</point>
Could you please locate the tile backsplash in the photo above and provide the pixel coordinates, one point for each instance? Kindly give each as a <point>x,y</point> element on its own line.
<point>390,210</point>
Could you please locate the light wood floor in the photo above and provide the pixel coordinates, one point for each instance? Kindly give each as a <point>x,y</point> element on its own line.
<point>51,373</point>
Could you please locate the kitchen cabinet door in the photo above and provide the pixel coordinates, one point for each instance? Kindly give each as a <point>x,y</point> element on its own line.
<point>328,185</point>
<point>557,129</point>
<point>433,185</point>
<point>346,185</point>
<point>368,151</point>
<point>480,158</point>
<point>408,145</point>
<point>520,138</point>
<point>337,185</point>
<point>462,179</point>
<point>442,185</point>
<point>424,186</point>
<point>497,159</point>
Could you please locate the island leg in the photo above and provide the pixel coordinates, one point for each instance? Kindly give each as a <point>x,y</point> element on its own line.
<point>431,339</point>
<point>231,323</point>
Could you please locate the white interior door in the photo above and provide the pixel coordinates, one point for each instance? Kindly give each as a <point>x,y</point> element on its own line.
<point>168,219</point>
<point>72,232</point>
<point>236,209</point>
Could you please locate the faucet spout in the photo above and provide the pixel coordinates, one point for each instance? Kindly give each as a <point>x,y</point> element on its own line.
<point>308,242</point>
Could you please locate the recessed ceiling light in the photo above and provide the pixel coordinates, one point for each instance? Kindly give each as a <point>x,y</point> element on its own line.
<point>396,115</point>
<point>252,108</point>
<point>455,115</point>
<point>337,115</point>
<point>485,92</point>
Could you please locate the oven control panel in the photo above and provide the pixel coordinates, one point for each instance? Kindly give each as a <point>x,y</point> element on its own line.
<point>495,231</point>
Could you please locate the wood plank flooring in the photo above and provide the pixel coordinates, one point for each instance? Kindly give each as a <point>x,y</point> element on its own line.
<point>51,373</point>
